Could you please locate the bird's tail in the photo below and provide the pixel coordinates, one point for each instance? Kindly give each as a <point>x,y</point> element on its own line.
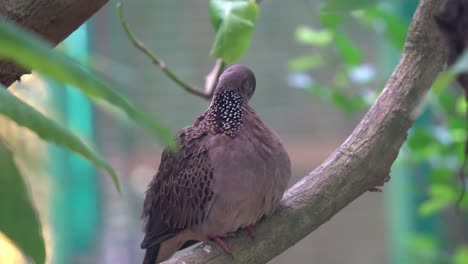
<point>151,254</point>
<point>160,252</point>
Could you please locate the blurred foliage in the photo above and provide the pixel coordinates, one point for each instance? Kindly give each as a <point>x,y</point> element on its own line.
<point>34,53</point>
<point>439,143</point>
<point>25,115</point>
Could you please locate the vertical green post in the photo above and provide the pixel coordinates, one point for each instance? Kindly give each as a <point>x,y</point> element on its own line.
<point>75,199</point>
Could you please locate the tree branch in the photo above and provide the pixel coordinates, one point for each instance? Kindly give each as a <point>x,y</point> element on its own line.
<point>54,20</point>
<point>360,163</point>
<point>211,78</point>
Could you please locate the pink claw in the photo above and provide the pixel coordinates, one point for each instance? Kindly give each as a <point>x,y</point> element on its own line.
<point>251,231</point>
<point>222,244</point>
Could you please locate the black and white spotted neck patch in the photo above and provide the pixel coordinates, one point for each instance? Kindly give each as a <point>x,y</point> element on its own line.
<point>225,114</point>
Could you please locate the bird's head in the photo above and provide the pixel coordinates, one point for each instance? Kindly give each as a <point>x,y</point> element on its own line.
<point>238,78</point>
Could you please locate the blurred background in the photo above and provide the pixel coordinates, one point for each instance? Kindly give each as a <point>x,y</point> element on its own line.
<point>316,76</point>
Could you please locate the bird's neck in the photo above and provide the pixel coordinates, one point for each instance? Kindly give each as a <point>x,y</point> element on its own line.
<point>225,114</point>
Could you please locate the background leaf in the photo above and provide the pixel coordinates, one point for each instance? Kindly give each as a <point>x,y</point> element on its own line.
<point>303,63</point>
<point>461,255</point>
<point>345,5</point>
<point>349,51</point>
<point>441,196</point>
<point>395,27</point>
<point>49,130</point>
<point>18,218</point>
<point>307,35</point>
<point>32,52</point>
<point>234,23</point>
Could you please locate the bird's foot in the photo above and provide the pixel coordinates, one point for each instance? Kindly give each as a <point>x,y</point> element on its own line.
<point>377,188</point>
<point>251,231</point>
<point>222,244</point>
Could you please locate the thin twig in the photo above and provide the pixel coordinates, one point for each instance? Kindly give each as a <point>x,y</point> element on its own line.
<point>211,79</point>
<point>159,62</point>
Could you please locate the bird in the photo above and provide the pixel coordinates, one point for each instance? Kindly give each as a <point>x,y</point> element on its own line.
<point>228,171</point>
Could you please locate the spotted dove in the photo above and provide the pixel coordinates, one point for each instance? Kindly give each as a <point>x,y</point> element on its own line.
<point>228,171</point>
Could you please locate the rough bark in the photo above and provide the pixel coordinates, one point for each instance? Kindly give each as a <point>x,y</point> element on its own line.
<point>360,163</point>
<point>53,20</point>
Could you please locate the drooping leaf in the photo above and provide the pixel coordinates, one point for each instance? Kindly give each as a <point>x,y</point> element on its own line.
<point>32,52</point>
<point>345,5</point>
<point>234,22</point>
<point>307,35</point>
<point>18,218</point>
<point>49,130</point>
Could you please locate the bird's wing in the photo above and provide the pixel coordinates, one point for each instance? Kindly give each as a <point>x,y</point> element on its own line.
<point>180,194</point>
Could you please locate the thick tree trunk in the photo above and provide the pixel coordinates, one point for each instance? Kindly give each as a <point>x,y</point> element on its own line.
<point>53,20</point>
<point>360,163</point>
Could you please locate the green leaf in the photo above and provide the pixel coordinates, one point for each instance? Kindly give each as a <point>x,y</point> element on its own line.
<point>330,20</point>
<point>234,23</point>
<point>461,105</point>
<point>395,26</point>
<point>442,81</point>
<point>348,104</point>
<point>345,5</point>
<point>441,196</point>
<point>432,206</point>
<point>422,242</point>
<point>420,138</point>
<point>349,51</point>
<point>319,38</point>
<point>49,130</point>
<point>445,99</point>
<point>18,220</point>
<point>441,174</point>
<point>461,255</point>
<point>445,78</point>
<point>305,63</point>
<point>320,91</point>
<point>32,52</point>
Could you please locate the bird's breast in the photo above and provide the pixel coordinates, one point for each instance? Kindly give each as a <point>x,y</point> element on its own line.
<point>250,177</point>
